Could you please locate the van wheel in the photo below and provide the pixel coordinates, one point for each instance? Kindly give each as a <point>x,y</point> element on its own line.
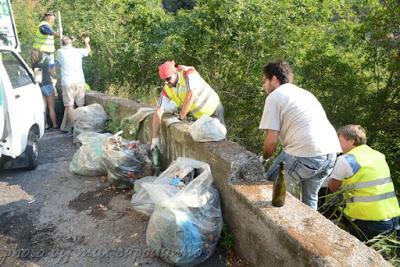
<point>32,151</point>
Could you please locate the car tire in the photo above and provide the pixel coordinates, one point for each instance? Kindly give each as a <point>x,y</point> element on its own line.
<point>32,151</point>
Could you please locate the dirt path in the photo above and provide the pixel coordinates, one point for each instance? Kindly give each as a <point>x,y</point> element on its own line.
<point>49,217</point>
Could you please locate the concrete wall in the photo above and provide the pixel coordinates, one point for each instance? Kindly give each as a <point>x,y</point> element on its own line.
<point>293,235</point>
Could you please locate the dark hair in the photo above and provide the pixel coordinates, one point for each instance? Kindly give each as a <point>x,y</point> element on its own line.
<point>280,69</point>
<point>49,13</point>
<point>355,132</point>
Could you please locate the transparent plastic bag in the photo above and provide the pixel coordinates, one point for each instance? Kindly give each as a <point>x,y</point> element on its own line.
<point>87,160</point>
<point>91,118</point>
<point>187,219</point>
<point>141,200</point>
<point>126,162</point>
<point>207,129</point>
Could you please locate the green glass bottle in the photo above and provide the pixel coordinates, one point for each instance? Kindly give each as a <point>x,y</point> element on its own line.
<point>156,160</point>
<point>279,188</point>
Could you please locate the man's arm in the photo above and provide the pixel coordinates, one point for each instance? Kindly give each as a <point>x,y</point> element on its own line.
<point>187,103</point>
<point>45,29</point>
<point>157,121</point>
<point>270,142</point>
<point>87,45</point>
<point>334,185</point>
<point>345,167</point>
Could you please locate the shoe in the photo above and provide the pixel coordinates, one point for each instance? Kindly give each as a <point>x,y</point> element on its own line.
<point>70,132</point>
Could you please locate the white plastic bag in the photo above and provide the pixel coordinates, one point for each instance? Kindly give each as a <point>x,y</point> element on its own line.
<point>207,129</point>
<point>187,219</point>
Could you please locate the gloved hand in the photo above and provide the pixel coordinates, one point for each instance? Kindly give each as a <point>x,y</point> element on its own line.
<point>262,160</point>
<point>155,142</point>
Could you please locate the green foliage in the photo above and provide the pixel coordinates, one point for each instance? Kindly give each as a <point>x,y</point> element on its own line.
<point>174,5</point>
<point>227,241</point>
<point>113,124</point>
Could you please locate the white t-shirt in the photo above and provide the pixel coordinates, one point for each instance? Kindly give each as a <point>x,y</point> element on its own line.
<point>70,60</point>
<point>303,127</point>
<point>345,166</point>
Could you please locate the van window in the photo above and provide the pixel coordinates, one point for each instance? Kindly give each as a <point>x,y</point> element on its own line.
<point>17,73</point>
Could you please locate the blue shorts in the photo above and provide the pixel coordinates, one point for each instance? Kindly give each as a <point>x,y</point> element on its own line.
<point>47,90</point>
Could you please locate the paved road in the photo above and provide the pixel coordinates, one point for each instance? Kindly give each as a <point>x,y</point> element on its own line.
<point>49,217</point>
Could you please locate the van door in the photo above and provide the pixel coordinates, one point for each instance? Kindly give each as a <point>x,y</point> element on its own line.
<point>2,117</point>
<point>24,103</point>
<point>8,31</point>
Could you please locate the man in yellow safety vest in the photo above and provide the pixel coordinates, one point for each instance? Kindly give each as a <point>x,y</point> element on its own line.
<point>364,176</point>
<point>184,88</point>
<point>44,40</point>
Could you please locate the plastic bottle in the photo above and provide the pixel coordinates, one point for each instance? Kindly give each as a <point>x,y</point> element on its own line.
<point>156,160</point>
<point>279,188</point>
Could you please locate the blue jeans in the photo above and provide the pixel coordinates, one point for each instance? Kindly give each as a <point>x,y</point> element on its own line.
<point>365,230</point>
<point>307,172</point>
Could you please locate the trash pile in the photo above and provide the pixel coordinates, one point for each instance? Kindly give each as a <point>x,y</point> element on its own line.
<point>186,218</point>
<point>123,161</point>
<point>182,203</point>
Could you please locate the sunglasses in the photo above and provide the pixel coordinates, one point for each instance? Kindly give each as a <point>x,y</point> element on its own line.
<point>168,79</point>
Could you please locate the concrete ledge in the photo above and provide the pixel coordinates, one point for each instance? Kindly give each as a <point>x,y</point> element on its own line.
<point>293,235</point>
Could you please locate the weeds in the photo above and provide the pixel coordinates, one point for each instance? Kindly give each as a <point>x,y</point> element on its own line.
<point>227,240</point>
<point>113,124</point>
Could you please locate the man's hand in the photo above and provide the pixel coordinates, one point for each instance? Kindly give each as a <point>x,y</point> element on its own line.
<point>155,142</point>
<point>182,116</point>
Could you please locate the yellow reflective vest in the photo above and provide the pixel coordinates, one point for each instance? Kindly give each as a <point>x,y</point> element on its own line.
<point>44,42</point>
<point>369,193</point>
<point>205,99</point>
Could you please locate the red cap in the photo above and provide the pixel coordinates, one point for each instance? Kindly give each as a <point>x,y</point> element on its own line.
<point>167,69</point>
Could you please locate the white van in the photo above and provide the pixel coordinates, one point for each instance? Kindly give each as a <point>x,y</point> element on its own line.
<point>23,109</point>
<point>21,102</point>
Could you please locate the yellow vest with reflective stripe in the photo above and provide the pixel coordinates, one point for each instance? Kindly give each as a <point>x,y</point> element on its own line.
<point>370,192</point>
<point>44,42</point>
<point>205,99</point>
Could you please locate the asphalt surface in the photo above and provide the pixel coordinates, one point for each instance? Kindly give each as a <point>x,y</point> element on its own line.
<point>50,217</point>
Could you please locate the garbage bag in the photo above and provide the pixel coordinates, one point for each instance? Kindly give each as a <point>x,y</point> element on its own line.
<point>141,200</point>
<point>126,162</point>
<point>187,219</point>
<point>87,160</point>
<point>207,129</point>
<point>91,118</point>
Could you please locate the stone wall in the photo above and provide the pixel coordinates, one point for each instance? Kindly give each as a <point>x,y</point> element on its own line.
<point>293,235</point>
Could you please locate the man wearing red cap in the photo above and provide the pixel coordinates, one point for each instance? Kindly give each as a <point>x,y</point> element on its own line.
<point>186,89</point>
